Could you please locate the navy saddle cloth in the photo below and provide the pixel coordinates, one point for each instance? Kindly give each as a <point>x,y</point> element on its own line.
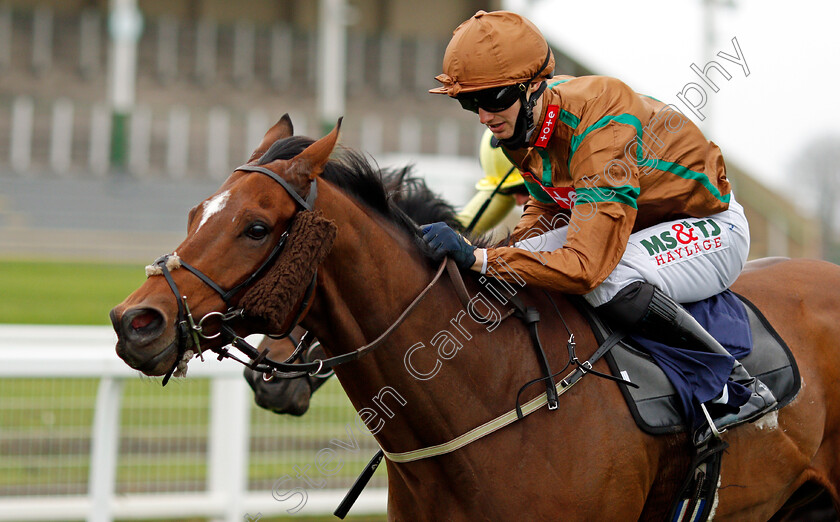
<point>655,405</point>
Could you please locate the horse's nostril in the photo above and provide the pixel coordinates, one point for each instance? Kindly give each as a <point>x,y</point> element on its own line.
<point>142,320</point>
<point>142,324</point>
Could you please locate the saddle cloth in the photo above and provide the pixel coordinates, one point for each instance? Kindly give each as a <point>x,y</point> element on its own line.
<point>655,406</point>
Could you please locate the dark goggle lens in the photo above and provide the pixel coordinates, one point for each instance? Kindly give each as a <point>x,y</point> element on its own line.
<point>491,100</point>
<point>468,102</point>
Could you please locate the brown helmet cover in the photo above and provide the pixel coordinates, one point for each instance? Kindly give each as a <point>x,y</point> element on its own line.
<point>491,50</point>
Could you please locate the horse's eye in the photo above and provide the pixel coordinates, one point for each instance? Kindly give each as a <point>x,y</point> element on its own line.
<point>257,231</point>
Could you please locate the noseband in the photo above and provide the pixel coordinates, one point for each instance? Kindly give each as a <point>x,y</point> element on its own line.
<point>187,329</point>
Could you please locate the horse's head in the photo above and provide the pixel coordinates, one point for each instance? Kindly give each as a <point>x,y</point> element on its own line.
<point>258,235</point>
<point>289,396</point>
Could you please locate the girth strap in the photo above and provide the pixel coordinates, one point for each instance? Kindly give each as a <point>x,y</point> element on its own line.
<point>530,316</point>
<point>586,366</point>
<point>597,326</point>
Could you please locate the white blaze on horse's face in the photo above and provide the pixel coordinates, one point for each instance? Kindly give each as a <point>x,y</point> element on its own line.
<point>213,206</point>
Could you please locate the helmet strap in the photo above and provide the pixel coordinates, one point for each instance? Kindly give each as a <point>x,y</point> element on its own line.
<point>525,126</point>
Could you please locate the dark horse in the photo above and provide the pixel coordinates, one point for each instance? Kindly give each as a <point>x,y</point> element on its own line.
<point>412,196</point>
<point>442,373</point>
<point>286,396</point>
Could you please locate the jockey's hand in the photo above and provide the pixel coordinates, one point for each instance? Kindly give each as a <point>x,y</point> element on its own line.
<point>445,241</point>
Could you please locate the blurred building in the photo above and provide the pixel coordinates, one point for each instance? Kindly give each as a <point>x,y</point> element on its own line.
<point>777,228</point>
<point>213,75</point>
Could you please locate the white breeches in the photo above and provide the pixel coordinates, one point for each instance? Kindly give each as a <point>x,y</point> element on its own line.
<point>689,259</point>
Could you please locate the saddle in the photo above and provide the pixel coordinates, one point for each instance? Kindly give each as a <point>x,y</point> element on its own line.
<point>654,405</point>
<point>656,409</point>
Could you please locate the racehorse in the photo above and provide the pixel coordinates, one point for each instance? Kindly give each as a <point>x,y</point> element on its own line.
<point>412,196</point>
<point>286,396</point>
<point>440,372</point>
<point>292,396</point>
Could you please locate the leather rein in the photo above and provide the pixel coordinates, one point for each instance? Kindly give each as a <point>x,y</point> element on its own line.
<point>190,332</point>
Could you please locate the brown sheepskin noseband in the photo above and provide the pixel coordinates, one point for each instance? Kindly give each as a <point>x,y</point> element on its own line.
<point>274,296</point>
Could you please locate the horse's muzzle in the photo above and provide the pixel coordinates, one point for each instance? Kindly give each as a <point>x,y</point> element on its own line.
<point>290,396</point>
<point>139,339</point>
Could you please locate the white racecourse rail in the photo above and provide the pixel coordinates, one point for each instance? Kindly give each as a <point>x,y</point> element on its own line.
<point>33,356</point>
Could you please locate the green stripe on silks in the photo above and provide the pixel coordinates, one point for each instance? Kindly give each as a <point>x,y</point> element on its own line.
<point>569,119</point>
<point>546,166</point>
<point>666,166</point>
<point>626,119</point>
<point>565,116</point>
<point>533,188</point>
<point>537,192</point>
<point>686,173</point>
<point>624,194</point>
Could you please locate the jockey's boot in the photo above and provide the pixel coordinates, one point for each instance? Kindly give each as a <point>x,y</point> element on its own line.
<point>642,307</point>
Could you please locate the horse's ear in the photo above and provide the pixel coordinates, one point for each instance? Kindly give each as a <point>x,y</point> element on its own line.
<point>282,129</point>
<point>312,160</point>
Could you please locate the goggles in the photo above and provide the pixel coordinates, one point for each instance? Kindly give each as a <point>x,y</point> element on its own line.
<point>496,99</point>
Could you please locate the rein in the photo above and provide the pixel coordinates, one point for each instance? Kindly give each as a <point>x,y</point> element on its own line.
<point>190,331</point>
<point>303,351</point>
<point>262,364</point>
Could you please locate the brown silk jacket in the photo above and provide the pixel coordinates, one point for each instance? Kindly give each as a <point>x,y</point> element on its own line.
<point>607,162</point>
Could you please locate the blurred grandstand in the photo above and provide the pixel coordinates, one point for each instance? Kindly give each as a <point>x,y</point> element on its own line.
<point>211,77</point>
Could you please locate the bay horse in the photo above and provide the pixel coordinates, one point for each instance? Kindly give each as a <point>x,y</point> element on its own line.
<point>411,195</point>
<point>441,372</point>
<point>286,396</point>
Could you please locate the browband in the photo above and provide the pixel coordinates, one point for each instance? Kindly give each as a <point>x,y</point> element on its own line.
<point>308,204</point>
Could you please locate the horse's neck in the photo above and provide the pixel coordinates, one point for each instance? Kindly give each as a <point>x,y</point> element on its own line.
<point>370,277</point>
<point>442,372</point>
<point>372,270</point>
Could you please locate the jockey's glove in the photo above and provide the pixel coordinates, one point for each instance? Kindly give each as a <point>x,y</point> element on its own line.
<point>446,242</point>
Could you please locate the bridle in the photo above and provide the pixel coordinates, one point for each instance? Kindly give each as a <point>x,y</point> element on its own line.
<point>188,330</point>
<point>304,350</point>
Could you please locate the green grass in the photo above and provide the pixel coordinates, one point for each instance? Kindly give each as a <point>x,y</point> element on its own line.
<point>44,292</point>
<point>57,414</point>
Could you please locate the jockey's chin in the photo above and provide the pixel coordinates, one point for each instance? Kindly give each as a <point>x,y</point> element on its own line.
<point>501,131</point>
<point>521,199</point>
<point>502,123</point>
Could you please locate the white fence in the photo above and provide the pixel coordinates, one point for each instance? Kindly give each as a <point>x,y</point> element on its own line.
<point>82,437</point>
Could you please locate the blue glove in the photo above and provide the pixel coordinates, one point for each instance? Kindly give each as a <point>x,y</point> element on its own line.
<point>445,241</point>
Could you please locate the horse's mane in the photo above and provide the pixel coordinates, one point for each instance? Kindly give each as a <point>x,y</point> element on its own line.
<point>396,194</point>
<point>409,194</point>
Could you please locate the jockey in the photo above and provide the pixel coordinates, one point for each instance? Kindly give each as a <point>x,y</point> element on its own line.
<point>502,183</point>
<point>629,203</point>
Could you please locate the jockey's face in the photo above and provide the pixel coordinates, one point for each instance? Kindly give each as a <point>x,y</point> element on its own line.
<point>521,199</point>
<point>502,123</point>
